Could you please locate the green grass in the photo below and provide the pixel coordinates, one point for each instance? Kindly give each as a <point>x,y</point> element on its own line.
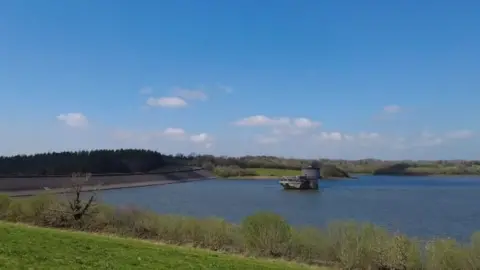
<point>275,172</point>
<point>25,247</point>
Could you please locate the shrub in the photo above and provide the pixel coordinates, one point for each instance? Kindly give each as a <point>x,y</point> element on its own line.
<point>217,234</point>
<point>4,204</point>
<point>347,245</point>
<point>266,234</point>
<point>310,245</point>
<point>402,253</point>
<point>443,254</point>
<point>232,171</point>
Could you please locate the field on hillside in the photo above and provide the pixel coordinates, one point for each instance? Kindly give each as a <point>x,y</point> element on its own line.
<point>275,172</point>
<point>25,247</point>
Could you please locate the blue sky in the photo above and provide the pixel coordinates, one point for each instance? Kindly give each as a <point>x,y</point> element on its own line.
<point>339,79</point>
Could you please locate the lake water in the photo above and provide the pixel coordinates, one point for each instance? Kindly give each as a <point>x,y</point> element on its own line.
<point>418,206</point>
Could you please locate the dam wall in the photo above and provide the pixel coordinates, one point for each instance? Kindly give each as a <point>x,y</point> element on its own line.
<point>34,184</point>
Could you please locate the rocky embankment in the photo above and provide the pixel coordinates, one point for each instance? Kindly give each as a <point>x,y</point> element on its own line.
<point>27,186</point>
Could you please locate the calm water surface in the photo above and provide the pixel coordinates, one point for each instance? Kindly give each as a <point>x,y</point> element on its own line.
<point>418,206</point>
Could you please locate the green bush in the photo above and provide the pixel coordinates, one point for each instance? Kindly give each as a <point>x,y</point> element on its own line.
<point>233,171</point>
<point>266,234</point>
<point>310,245</point>
<point>402,253</point>
<point>4,204</point>
<point>345,245</point>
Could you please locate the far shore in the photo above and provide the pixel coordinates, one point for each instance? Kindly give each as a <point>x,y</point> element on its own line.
<point>352,176</point>
<point>270,177</point>
<point>26,193</point>
<point>256,177</point>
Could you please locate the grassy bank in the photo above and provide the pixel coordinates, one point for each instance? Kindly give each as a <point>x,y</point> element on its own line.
<point>268,173</point>
<point>265,173</point>
<point>24,247</point>
<point>342,245</point>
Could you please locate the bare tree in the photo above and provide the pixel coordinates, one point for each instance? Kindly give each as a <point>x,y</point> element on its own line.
<point>79,206</point>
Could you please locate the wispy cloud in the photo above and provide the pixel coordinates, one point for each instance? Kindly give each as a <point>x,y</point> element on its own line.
<point>174,132</point>
<point>190,94</point>
<point>262,120</point>
<point>169,102</point>
<point>75,120</point>
<point>339,136</point>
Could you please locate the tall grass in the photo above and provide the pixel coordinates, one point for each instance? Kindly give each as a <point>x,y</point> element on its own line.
<point>344,245</point>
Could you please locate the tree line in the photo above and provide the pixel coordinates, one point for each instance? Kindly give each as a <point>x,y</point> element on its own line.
<point>95,162</point>
<point>144,161</point>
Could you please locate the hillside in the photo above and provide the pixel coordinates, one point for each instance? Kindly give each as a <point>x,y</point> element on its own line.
<point>332,171</point>
<point>105,161</point>
<point>55,249</point>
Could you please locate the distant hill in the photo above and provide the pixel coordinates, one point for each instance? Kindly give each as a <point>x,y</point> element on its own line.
<point>332,171</point>
<point>106,161</point>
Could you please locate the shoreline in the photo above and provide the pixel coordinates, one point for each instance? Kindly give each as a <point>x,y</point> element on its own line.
<point>90,188</point>
<point>259,177</point>
<point>352,176</point>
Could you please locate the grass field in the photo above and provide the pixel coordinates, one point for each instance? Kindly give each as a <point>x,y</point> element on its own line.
<point>25,247</point>
<point>275,172</point>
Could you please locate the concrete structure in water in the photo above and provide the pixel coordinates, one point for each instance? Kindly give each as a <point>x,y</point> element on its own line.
<point>308,179</point>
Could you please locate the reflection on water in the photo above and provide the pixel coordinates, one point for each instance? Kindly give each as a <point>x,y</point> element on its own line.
<point>418,206</point>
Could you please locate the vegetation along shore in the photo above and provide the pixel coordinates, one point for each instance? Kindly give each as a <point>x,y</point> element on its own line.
<point>145,161</point>
<point>338,246</point>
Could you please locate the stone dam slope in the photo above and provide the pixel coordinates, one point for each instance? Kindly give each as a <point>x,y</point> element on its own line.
<point>27,186</point>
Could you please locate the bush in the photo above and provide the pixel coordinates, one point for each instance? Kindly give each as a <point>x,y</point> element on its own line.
<point>4,204</point>
<point>443,254</point>
<point>344,245</point>
<point>233,171</point>
<point>310,245</point>
<point>266,234</point>
<point>402,253</point>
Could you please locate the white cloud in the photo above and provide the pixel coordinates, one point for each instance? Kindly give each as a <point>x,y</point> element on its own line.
<point>305,123</point>
<point>169,102</point>
<point>262,120</point>
<point>362,137</point>
<point>368,135</point>
<point>280,126</point>
<point>202,139</point>
<point>331,136</point>
<point>199,138</point>
<point>430,139</point>
<point>174,132</point>
<point>170,132</point>
<point>76,120</point>
<point>169,140</point>
<point>190,94</point>
<point>392,109</point>
<point>278,122</point>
